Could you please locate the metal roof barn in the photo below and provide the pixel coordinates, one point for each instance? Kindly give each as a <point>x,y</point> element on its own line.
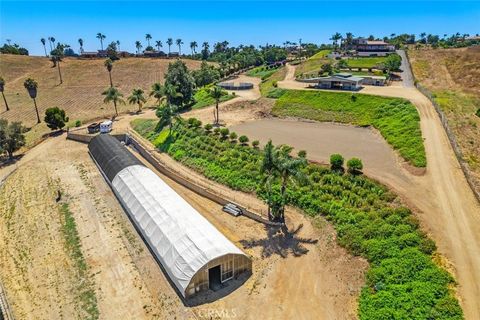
<point>194,254</point>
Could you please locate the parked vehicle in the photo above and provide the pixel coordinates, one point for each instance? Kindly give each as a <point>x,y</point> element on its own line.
<point>94,127</point>
<point>106,126</point>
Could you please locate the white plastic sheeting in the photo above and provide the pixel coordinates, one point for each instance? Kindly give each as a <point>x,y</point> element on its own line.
<point>182,239</point>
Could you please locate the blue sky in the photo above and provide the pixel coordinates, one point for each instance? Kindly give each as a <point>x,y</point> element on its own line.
<point>239,22</point>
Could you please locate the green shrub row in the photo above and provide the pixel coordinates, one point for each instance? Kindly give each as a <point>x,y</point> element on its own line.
<point>396,119</point>
<point>402,283</point>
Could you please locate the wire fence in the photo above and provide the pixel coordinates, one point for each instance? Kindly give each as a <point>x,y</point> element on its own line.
<point>5,311</point>
<point>453,141</point>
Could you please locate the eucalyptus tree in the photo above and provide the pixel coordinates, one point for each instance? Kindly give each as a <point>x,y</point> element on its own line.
<point>31,85</point>
<point>101,37</point>
<point>113,95</point>
<point>80,42</point>
<point>148,37</point>
<point>169,43</point>
<point>2,88</point>
<point>44,48</point>
<point>138,45</point>
<point>158,44</point>
<point>179,43</point>
<point>109,65</point>
<point>138,98</point>
<point>193,46</point>
<point>217,93</point>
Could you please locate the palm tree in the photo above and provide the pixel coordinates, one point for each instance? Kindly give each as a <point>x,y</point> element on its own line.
<point>101,37</point>
<point>80,42</point>
<point>193,46</point>
<point>137,98</point>
<point>169,112</point>
<point>31,86</point>
<point>2,87</point>
<point>169,43</point>
<point>216,93</point>
<point>279,164</point>
<point>267,170</point>
<point>148,37</point>
<point>113,95</point>
<point>57,57</point>
<point>337,36</point>
<point>51,42</point>
<point>158,92</point>
<point>118,44</point>
<point>179,43</point>
<point>109,65</point>
<point>158,44</point>
<point>138,45</point>
<point>44,48</point>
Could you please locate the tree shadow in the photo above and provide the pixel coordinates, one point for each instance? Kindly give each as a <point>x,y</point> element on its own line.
<point>5,162</point>
<point>280,241</point>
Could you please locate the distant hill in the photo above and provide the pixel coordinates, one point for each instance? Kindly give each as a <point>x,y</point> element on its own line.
<point>83,83</point>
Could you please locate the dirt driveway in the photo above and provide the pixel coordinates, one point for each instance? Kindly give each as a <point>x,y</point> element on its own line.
<point>448,208</point>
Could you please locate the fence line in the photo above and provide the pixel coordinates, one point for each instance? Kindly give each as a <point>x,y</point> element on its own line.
<point>133,139</point>
<point>5,311</point>
<point>451,138</point>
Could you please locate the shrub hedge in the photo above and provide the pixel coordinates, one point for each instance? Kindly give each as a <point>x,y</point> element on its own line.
<point>403,282</point>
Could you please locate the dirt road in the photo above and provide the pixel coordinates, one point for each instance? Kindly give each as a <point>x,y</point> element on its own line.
<point>448,208</point>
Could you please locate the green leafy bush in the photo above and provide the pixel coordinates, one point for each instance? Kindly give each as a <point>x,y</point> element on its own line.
<point>243,140</point>
<point>336,161</point>
<point>354,165</point>
<point>478,112</point>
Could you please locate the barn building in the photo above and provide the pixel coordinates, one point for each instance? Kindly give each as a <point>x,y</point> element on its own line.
<point>194,254</point>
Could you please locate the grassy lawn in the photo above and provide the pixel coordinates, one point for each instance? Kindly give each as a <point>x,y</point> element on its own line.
<point>203,98</point>
<point>314,63</point>
<point>370,222</point>
<point>396,119</point>
<point>261,72</point>
<point>268,84</point>
<point>367,62</point>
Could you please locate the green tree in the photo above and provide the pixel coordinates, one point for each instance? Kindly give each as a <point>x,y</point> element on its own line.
<point>217,93</point>
<point>55,118</point>
<point>392,63</point>
<point>205,52</point>
<point>31,85</point>
<point>158,92</point>
<point>243,140</point>
<point>179,43</point>
<point>137,98</point>
<point>138,45</point>
<point>205,75</point>
<point>179,77</point>
<point>168,115</point>
<point>336,161</point>
<point>337,36</point>
<point>354,166</point>
<point>193,47</point>
<point>11,137</point>
<point>112,52</point>
<point>2,88</point>
<point>224,133</point>
<point>80,42</point>
<point>101,37</point>
<point>233,136</point>
<point>57,56</point>
<point>148,37</point>
<point>113,95</point>
<point>169,43</point>
<point>326,68</point>
<point>158,44</point>
<point>44,48</point>
<point>109,65</point>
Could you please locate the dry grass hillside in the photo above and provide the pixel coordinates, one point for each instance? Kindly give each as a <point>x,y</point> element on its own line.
<point>452,76</point>
<point>83,82</point>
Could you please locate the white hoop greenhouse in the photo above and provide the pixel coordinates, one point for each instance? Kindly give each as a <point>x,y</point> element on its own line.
<point>195,255</point>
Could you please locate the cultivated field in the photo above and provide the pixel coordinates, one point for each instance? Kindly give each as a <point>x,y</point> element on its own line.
<point>83,83</point>
<point>452,76</point>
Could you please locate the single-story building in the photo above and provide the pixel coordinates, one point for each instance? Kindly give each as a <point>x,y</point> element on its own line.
<point>345,81</point>
<point>193,253</point>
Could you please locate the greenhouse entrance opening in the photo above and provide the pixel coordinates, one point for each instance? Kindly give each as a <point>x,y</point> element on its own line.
<point>214,278</point>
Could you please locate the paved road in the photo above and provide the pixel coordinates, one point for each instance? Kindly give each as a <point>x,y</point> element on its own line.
<point>407,76</point>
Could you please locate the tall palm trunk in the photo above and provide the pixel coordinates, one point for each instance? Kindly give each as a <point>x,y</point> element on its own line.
<point>110,75</point>
<point>115,105</point>
<point>217,120</point>
<point>36,110</point>
<point>4,99</point>
<point>59,71</point>
<point>101,43</point>
<point>45,49</point>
